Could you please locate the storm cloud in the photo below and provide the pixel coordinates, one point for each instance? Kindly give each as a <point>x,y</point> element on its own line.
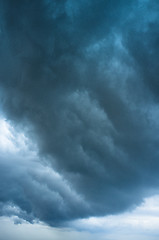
<point>80,79</point>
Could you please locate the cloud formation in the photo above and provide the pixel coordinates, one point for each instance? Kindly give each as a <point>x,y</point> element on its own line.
<point>80,79</point>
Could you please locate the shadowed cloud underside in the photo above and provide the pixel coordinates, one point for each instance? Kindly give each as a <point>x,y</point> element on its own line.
<point>80,80</point>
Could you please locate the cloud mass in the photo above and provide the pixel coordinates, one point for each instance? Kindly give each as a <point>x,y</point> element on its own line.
<point>80,80</point>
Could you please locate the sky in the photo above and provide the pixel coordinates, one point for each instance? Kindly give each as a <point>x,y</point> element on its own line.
<point>79,116</point>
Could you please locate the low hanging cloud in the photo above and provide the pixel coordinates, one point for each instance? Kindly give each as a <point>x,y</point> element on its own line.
<point>79,78</point>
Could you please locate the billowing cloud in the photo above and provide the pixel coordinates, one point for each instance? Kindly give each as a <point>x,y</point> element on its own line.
<point>80,80</point>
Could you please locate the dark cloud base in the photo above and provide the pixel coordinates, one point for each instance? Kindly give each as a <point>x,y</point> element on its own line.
<point>81,78</point>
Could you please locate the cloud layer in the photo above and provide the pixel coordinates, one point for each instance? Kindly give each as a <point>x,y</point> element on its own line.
<point>80,80</point>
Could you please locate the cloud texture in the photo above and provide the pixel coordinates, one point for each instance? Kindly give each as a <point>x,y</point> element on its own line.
<point>80,78</point>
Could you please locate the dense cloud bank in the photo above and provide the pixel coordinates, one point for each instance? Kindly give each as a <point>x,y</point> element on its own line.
<point>80,78</point>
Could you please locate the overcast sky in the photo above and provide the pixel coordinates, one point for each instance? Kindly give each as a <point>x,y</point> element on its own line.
<point>79,95</point>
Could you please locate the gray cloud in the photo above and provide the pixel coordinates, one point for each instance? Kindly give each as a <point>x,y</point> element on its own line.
<point>80,78</point>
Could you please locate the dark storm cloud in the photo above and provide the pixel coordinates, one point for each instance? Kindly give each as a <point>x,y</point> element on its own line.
<point>146,38</point>
<point>79,77</point>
